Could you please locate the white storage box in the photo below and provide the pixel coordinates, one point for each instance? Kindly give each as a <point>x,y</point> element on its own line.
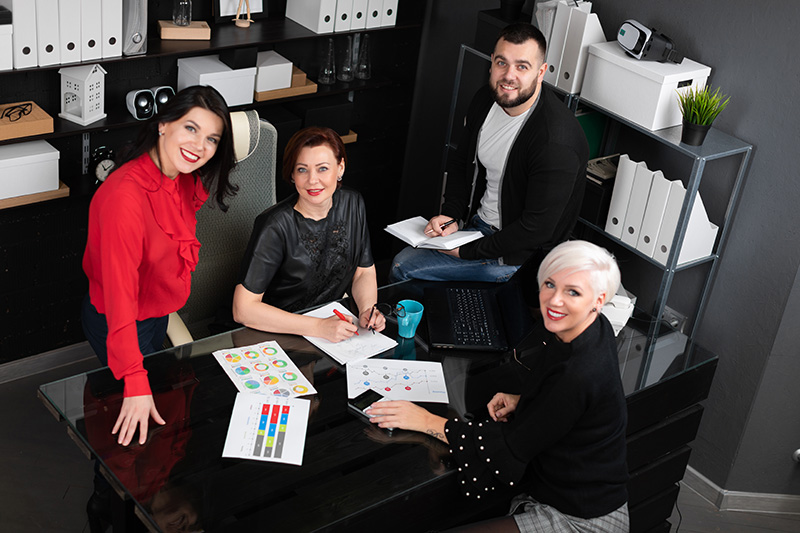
<point>236,86</point>
<point>28,168</point>
<point>274,71</point>
<point>644,92</point>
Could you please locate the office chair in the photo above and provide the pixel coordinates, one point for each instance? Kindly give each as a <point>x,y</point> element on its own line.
<point>224,236</point>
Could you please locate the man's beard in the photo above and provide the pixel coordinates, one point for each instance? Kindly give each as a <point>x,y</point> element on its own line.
<point>507,103</point>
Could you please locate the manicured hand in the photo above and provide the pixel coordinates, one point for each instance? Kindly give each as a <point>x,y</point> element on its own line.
<point>334,329</point>
<point>377,322</point>
<point>136,411</point>
<point>502,405</point>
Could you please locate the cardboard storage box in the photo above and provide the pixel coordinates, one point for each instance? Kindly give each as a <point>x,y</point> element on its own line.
<point>236,86</point>
<point>274,71</point>
<point>28,168</point>
<point>37,122</point>
<point>644,92</point>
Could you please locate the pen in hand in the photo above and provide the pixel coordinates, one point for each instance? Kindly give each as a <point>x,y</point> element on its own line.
<point>372,329</point>
<point>342,317</point>
<point>452,221</point>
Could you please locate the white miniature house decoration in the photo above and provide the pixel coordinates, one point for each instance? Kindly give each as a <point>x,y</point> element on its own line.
<point>82,94</point>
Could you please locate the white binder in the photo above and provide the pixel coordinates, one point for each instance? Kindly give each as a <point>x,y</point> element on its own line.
<point>49,44</point>
<point>701,233</point>
<point>344,12</point>
<point>637,204</point>
<point>69,30</point>
<point>558,37</point>
<point>626,170</point>
<point>374,13</point>
<point>91,30</point>
<point>358,19</point>
<point>653,213</point>
<point>23,15</point>
<point>111,32</point>
<point>389,13</point>
<point>584,29</point>
<point>316,15</point>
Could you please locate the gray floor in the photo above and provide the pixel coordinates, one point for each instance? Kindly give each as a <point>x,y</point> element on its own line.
<point>45,481</point>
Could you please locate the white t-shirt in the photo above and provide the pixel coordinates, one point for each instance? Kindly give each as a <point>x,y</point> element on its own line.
<point>496,137</point>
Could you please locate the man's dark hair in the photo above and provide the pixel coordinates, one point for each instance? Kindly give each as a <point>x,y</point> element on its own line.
<point>520,32</point>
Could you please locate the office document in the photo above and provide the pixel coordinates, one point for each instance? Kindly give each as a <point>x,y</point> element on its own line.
<point>398,379</point>
<point>356,348</point>
<point>412,231</point>
<point>264,369</point>
<point>267,429</point>
<point>111,28</point>
<point>91,30</point>
<point>48,41</point>
<point>69,30</point>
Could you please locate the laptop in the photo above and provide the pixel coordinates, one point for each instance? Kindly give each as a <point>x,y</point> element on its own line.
<point>486,319</point>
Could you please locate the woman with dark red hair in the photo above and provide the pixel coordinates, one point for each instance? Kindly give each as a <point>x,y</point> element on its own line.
<point>310,248</point>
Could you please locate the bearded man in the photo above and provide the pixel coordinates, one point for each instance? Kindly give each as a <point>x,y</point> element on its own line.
<point>518,174</point>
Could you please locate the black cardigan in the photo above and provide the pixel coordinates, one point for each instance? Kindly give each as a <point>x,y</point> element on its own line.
<point>565,445</point>
<point>541,188</point>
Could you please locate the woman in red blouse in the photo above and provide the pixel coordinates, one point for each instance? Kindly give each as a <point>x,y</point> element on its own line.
<point>142,248</point>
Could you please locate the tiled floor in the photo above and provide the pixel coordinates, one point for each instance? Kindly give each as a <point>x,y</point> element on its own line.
<point>45,481</point>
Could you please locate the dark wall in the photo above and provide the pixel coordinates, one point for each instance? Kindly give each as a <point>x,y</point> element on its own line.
<point>749,430</point>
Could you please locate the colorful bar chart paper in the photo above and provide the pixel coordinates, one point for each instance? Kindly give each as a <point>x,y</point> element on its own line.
<point>267,429</point>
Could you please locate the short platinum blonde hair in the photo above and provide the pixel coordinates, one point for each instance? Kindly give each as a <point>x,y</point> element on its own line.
<point>578,256</point>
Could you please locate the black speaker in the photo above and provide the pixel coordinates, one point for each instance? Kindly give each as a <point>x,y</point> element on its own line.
<point>134,27</point>
<point>141,103</point>
<point>161,95</point>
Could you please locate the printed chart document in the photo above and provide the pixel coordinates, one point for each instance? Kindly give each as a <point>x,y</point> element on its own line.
<point>398,379</point>
<point>412,231</point>
<point>267,429</point>
<point>358,347</point>
<point>264,369</point>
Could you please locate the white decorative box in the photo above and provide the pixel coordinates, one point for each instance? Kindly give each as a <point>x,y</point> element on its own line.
<point>644,92</point>
<point>236,86</point>
<point>28,168</point>
<point>274,71</point>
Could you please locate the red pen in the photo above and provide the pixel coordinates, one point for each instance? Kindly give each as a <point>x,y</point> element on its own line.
<point>341,317</point>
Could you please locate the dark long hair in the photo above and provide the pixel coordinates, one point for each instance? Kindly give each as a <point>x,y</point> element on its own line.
<point>215,173</point>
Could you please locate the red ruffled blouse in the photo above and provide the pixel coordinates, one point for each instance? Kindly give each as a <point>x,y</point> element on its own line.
<point>140,255</point>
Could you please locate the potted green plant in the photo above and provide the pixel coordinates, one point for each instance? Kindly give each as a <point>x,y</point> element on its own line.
<point>699,108</point>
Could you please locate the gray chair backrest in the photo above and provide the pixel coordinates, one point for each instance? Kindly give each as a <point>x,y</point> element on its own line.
<point>224,236</point>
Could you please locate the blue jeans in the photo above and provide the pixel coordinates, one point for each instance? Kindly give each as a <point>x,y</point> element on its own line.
<point>433,265</point>
<point>151,331</point>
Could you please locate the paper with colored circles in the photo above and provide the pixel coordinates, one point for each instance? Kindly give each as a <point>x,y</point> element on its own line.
<point>264,369</point>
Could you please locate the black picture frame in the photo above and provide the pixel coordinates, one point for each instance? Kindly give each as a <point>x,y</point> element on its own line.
<point>255,13</point>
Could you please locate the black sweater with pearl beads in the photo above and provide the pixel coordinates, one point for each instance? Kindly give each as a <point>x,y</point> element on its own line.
<point>565,445</point>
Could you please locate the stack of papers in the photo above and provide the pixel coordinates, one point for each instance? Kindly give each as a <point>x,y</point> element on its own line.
<point>412,231</point>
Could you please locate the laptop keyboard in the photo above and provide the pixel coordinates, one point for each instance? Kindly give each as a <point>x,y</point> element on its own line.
<point>470,323</point>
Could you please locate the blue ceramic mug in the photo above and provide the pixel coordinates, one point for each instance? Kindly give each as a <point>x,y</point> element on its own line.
<point>407,322</point>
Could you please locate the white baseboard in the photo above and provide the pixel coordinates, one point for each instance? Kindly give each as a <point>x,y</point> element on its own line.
<point>34,364</point>
<point>731,500</point>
